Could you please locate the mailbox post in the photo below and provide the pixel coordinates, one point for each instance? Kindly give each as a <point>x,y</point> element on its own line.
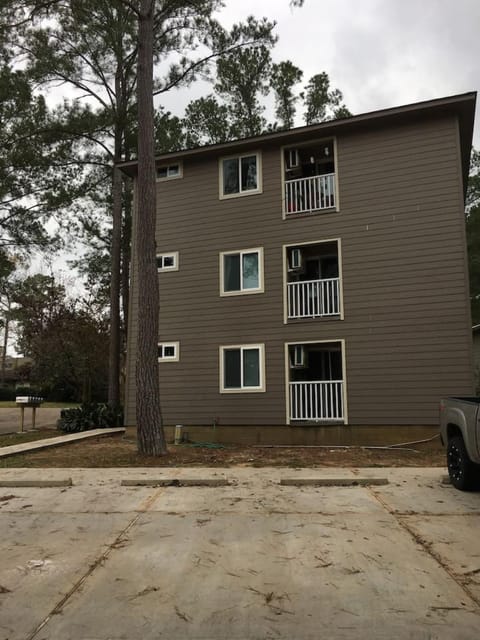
<point>27,401</point>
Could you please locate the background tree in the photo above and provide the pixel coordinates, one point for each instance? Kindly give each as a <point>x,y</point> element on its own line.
<point>32,187</point>
<point>206,121</point>
<point>236,110</point>
<point>284,76</point>
<point>8,285</point>
<point>68,345</point>
<point>242,78</point>
<point>321,103</point>
<point>92,46</point>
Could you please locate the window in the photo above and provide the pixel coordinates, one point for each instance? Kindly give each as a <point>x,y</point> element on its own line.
<point>169,172</point>
<point>168,351</point>
<point>242,368</point>
<point>241,272</point>
<point>240,175</point>
<point>167,261</point>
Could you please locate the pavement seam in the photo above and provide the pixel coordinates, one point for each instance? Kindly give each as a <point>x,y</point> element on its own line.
<point>427,547</point>
<point>143,508</point>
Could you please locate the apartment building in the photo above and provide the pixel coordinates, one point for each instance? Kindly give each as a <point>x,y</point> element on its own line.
<point>315,276</point>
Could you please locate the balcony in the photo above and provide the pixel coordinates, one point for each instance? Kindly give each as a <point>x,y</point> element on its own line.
<point>317,400</point>
<point>313,298</point>
<point>304,195</point>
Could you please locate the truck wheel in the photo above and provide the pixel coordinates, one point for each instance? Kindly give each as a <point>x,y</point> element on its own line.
<point>464,474</point>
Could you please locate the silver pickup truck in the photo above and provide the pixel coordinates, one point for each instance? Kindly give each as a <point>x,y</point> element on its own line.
<point>460,434</point>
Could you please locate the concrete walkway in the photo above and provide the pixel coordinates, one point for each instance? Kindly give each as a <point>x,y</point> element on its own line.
<point>254,559</point>
<point>55,442</point>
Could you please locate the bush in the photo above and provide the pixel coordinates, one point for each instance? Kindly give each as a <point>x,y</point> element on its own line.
<point>89,416</point>
<point>7,393</point>
<point>25,390</point>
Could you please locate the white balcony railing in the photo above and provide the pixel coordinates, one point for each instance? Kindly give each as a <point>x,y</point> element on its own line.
<point>313,298</point>
<point>319,400</point>
<point>310,194</point>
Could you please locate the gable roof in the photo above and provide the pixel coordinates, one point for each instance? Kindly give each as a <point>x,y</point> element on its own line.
<point>462,106</point>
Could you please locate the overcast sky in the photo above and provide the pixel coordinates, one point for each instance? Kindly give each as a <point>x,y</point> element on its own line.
<point>379,53</point>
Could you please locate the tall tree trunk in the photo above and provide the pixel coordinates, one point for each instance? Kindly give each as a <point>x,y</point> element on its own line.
<point>126,253</point>
<point>151,437</point>
<point>114,352</point>
<point>5,343</point>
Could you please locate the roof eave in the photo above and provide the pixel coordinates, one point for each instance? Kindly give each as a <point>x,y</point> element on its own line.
<point>463,105</point>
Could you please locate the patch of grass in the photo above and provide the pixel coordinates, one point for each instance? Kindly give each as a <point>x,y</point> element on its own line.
<point>10,439</point>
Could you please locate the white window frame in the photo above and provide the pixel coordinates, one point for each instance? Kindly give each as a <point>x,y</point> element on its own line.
<point>170,254</point>
<point>248,192</point>
<point>241,291</point>
<point>175,357</point>
<point>168,166</point>
<point>261,349</point>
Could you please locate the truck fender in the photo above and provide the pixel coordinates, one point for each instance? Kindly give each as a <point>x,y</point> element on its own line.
<point>456,417</point>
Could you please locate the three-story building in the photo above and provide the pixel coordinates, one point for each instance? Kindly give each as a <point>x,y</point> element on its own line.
<point>316,275</point>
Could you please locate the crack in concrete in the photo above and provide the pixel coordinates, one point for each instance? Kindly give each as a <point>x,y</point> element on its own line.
<point>116,544</point>
<point>425,545</point>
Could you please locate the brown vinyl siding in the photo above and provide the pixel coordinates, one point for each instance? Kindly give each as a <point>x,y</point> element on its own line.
<point>406,315</point>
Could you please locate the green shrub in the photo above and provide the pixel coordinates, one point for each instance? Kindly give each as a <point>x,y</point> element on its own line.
<point>90,416</point>
<point>25,390</point>
<point>7,393</point>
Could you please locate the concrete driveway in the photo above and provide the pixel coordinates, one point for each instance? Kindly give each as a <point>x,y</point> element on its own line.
<point>252,560</point>
<point>10,418</point>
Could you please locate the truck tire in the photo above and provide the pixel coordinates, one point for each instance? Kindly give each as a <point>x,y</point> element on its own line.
<point>464,474</point>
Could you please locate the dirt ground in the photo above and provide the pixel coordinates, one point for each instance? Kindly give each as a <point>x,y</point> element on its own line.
<point>121,452</point>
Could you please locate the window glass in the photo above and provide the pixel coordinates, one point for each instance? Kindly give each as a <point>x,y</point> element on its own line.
<point>251,368</point>
<point>169,171</point>
<point>159,262</point>
<point>232,272</point>
<point>160,351</point>
<point>232,369</point>
<point>169,261</point>
<point>249,173</point>
<point>250,270</point>
<point>230,176</point>
<point>169,351</point>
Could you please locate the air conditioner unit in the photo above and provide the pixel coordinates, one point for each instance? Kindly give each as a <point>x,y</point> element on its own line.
<point>295,262</point>
<point>298,357</point>
<point>292,158</point>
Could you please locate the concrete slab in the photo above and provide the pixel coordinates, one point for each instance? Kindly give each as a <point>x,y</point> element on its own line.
<point>175,482</point>
<point>455,540</point>
<point>254,559</point>
<point>42,557</point>
<point>36,482</point>
<point>422,491</point>
<point>263,577</point>
<point>332,482</point>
